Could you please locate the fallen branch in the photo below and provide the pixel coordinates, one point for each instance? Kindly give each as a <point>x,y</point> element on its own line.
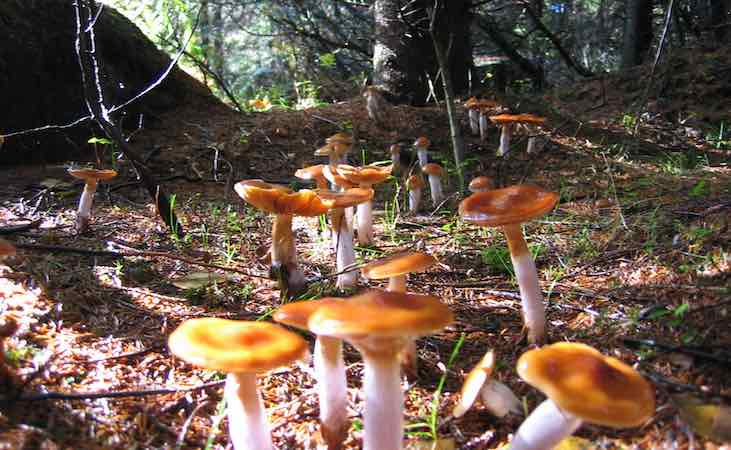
<point>20,228</point>
<point>115,394</point>
<point>696,352</point>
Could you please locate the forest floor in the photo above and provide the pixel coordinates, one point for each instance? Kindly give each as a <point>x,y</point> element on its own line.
<point>635,260</point>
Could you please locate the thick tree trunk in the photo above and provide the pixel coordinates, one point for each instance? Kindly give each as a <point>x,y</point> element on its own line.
<point>637,32</point>
<point>403,55</point>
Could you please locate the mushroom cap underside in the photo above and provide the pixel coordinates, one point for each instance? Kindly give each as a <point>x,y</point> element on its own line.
<point>398,264</point>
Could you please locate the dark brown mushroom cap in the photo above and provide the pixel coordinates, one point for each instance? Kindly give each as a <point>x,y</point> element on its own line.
<point>92,174</point>
<point>583,382</point>
<point>422,141</point>
<point>381,314</point>
<point>347,198</point>
<point>398,264</point>
<point>298,313</point>
<point>280,200</point>
<point>365,175</point>
<point>6,248</point>
<point>510,205</point>
<point>502,119</point>
<point>415,182</point>
<point>235,345</point>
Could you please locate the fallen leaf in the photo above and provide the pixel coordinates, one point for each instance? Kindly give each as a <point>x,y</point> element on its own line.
<point>707,420</point>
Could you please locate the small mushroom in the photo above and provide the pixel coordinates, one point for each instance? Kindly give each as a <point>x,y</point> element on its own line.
<point>474,114</point>
<point>284,204</point>
<point>496,397</point>
<point>415,185</point>
<point>435,173</point>
<point>481,184</point>
<point>379,324</point>
<point>91,178</point>
<point>344,250</point>
<point>329,371</point>
<point>241,349</point>
<point>422,147</point>
<point>508,122</point>
<point>364,177</point>
<point>582,385</point>
<point>509,208</point>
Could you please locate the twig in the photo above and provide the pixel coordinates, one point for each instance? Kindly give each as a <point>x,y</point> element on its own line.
<point>115,394</point>
<point>184,429</point>
<point>20,228</point>
<point>695,352</point>
<point>657,378</point>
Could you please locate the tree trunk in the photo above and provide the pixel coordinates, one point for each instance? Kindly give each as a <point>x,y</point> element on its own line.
<point>720,20</point>
<point>218,60</point>
<point>403,55</point>
<point>637,32</point>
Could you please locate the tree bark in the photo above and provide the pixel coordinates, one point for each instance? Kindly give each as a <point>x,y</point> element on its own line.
<point>637,32</point>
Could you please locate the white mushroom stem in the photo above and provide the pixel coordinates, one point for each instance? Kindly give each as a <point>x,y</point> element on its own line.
<point>344,251</point>
<point>397,283</point>
<point>534,314</point>
<point>284,255</point>
<point>474,121</point>
<point>435,186</point>
<point>499,399</point>
<point>422,153</point>
<point>332,390</point>
<point>365,220</point>
<point>247,422</point>
<point>505,133</point>
<point>384,403</point>
<point>414,199</point>
<point>87,198</point>
<point>531,145</point>
<point>546,426</point>
<point>483,127</point>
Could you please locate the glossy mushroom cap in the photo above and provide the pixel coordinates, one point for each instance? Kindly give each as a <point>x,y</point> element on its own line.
<point>335,178</point>
<point>6,248</point>
<point>473,383</point>
<point>398,264</point>
<point>298,313</point>
<point>379,314</point>
<point>422,141</point>
<point>415,182</point>
<point>281,200</point>
<point>347,198</point>
<point>433,169</point>
<point>312,173</point>
<point>92,174</point>
<point>510,205</point>
<point>481,184</point>
<point>235,346</point>
<point>502,119</point>
<point>340,138</point>
<point>365,175</point>
<point>593,387</point>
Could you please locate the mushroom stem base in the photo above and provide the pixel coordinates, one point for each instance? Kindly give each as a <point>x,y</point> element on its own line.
<point>332,390</point>
<point>546,426</point>
<point>435,185</point>
<point>384,402</point>
<point>414,200</point>
<point>345,257</point>
<point>248,427</point>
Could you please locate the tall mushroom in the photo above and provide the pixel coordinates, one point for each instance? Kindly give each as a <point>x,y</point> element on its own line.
<point>496,397</point>
<point>473,112</point>
<point>241,349</point>
<point>379,324</point>
<point>508,122</point>
<point>582,385</point>
<point>284,204</point>
<point>91,178</point>
<point>329,371</point>
<point>509,208</point>
<point>422,148</point>
<point>435,173</point>
<point>364,177</point>
<point>395,268</point>
<point>415,186</point>
<point>344,250</point>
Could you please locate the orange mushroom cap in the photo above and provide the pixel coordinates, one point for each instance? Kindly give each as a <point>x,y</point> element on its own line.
<point>583,382</point>
<point>298,313</point>
<point>415,182</point>
<point>398,264</point>
<point>340,138</point>
<point>433,169</point>
<point>510,205</point>
<point>311,172</point>
<point>517,118</point>
<point>334,177</point>
<point>347,198</point>
<point>394,149</point>
<point>365,175</point>
<point>473,383</point>
<point>480,183</point>
<point>422,141</point>
<point>281,200</point>
<point>87,174</point>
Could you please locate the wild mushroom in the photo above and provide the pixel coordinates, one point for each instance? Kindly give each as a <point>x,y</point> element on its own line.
<point>422,146</point>
<point>395,268</point>
<point>339,183</point>
<point>313,173</point>
<point>284,204</point>
<point>344,250</point>
<point>496,397</point>
<point>435,173</point>
<point>329,371</point>
<point>91,178</point>
<point>481,184</point>
<point>509,208</point>
<point>364,177</point>
<point>415,185</point>
<point>379,324</point>
<point>508,122</point>
<point>582,385</point>
<point>473,112</point>
<point>241,349</point>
